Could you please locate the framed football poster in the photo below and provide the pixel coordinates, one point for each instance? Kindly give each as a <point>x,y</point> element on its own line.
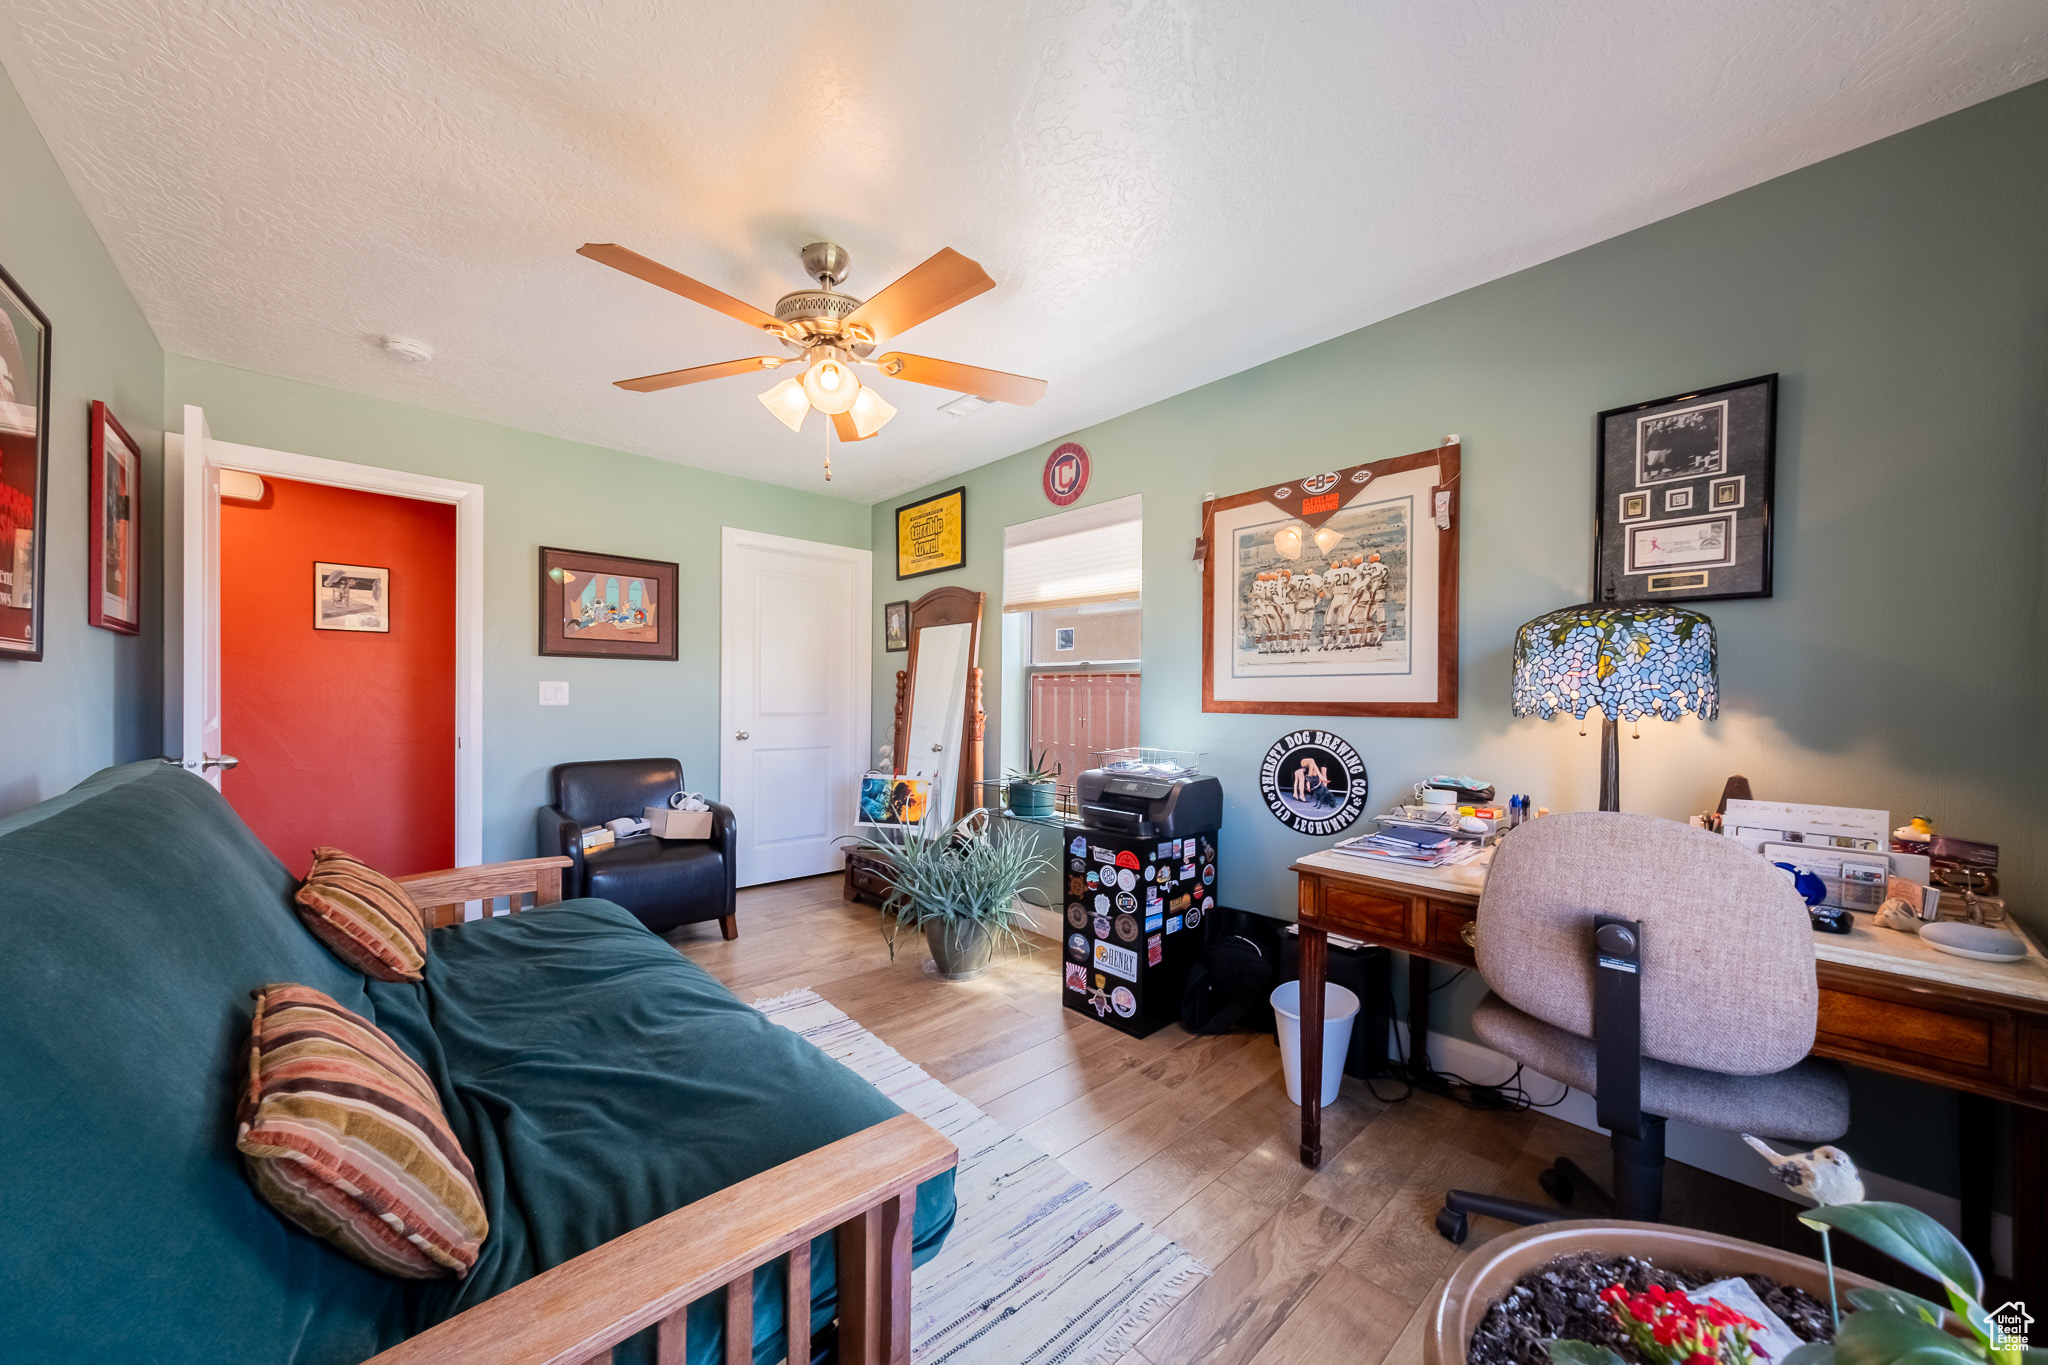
<point>931,535</point>
<point>1683,494</point>
<point>24,469</point>
<point>113,596</point>
<point>1335,594</point>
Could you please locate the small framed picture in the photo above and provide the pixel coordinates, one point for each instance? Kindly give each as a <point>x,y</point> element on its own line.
<point>113,597</point>
<point>1063,638</point>
<point>895,627</point>
<point>351,597</point>
<point>595,606</point>
<point>1701,464</point>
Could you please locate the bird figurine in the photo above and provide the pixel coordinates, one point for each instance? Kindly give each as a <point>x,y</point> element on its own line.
<point>1825,1175</point>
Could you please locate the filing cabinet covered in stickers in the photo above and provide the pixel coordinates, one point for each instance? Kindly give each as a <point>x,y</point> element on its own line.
<point>1134,916</point>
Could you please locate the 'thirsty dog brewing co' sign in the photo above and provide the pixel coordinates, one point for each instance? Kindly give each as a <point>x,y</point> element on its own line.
<point>1313,781</point>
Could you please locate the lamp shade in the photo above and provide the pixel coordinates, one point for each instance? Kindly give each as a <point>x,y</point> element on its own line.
<point>1633,661</point>
<point>789,403</point>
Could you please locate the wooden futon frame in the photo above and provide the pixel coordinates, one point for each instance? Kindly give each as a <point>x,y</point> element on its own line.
<point>861,1188</point>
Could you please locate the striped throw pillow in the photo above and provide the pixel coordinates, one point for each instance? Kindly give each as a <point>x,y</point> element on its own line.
<point>343,1133</point>
<point>364,917</point>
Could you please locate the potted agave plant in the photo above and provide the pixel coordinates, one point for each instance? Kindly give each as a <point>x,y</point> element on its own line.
<point>958,885</point>
<point>1648,1305</point>
<point>1033,788</point>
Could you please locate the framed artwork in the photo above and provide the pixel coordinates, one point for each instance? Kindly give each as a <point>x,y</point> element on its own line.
<point>596,606</point>
<point>1684,501</point>
<point>896,627</point>
<point>931,536</point>
<point>24,469</point>
<point>1335,594</point>
<point>351,597</point>
<point>113,597</point>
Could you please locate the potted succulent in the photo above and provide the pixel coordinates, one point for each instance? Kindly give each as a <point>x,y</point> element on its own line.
<point>959,886</point>
<point>1033,789</point>
<point>1563,1270</point>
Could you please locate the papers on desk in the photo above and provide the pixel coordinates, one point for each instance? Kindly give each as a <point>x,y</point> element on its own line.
<point>1412,847</point>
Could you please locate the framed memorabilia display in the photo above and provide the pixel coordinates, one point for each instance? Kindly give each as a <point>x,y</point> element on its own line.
<point>113,596</point>
<point>1335,594</point>
<point>1684,496</point>
<point>931,536</point>
<point>896,627</point>
<point>24,469</point>
<point>351,597</point>
<point>596,606</point>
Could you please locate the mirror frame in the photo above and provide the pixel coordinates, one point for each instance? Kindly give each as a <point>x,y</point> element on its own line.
<point>947,607</point>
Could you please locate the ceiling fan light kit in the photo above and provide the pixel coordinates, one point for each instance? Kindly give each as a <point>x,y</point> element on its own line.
<point>831,333</point>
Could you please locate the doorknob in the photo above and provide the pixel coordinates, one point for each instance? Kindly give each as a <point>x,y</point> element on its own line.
<point>739,734</point>
<point>938,748</point>
<point>223,762</point>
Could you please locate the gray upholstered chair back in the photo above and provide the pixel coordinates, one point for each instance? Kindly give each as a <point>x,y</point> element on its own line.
<point>1728,981</point>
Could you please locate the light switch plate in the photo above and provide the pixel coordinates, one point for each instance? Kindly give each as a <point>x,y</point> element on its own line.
<point>554,694</point>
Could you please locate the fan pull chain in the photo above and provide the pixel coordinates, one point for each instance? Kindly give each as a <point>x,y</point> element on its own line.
<point>828,446</point>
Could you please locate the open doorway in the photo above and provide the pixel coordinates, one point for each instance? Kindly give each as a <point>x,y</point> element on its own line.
<point>337,629</point>
<point>199,718</point>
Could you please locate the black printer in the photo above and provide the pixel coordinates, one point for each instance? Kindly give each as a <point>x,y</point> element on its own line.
<point>1149,805</point>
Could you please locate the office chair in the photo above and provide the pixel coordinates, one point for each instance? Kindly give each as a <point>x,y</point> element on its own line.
<point>1663,969</point>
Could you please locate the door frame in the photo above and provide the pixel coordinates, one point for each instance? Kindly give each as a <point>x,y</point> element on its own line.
<point>468,501</point>
<point>860,739</point>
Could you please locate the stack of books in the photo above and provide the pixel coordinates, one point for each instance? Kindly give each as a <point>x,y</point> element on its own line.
<point>1411,845</point>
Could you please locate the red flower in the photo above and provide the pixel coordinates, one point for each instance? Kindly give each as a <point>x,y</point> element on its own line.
<point>1701,1358</point>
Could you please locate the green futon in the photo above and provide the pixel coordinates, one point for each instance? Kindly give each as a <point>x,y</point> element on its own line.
<point>596,1078</point>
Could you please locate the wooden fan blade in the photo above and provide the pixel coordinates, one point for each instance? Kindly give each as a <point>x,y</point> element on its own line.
<point>659,275</point>
<point>945,281</point>
<point>650,383</point>
<point>946,374</point>
<point>842,425</point>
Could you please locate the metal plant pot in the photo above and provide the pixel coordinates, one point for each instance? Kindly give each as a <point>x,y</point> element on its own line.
<point>961,949</point>
<point>1032,799</point>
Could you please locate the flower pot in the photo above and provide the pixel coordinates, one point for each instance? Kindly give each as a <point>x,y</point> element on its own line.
<point>961,949</point>
<point>1492,1269</point>
<point>1032,799</point>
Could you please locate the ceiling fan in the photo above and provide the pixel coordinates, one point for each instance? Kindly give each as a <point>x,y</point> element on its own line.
<point>830,333</point>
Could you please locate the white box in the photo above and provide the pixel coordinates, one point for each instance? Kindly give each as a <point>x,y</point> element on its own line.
<point>665,823</point>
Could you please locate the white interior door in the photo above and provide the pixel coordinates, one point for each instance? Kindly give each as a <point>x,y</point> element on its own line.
<point>201,693</point>
<point>794,659</point>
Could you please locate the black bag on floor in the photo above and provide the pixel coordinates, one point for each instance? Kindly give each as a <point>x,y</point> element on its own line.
<point>1228,984</point>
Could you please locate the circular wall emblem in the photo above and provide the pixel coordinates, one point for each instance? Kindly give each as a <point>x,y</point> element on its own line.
<point>1066,474</point>
<point>1077,947</point>
<point>1127,928</point>
<point>1126,901</point>
<point>1076,915</point>
<point>1193,918</point>
<point>1102,926</point>
<point>1123,1001</point>
<point>1126,878</point>
<point>1313,782</point>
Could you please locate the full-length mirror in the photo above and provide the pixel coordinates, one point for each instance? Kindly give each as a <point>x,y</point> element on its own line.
<point>939,720</point>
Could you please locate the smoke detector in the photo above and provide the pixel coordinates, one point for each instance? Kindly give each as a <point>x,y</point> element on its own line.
<point>965,404</point>
<point>405,348</point>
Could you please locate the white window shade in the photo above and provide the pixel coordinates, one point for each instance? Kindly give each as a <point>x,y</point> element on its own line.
<point>1094,554</point>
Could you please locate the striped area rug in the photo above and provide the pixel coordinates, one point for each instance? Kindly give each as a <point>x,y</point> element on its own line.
<point>1039,1268</point>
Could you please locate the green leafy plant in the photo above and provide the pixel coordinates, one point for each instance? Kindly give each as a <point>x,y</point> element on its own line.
<point>971,871</point>
<point>1034,769</point>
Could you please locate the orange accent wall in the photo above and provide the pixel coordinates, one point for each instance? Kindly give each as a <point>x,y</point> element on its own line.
<point>346,738</point>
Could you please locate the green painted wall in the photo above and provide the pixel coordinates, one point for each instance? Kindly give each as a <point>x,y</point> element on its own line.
<point>1900,291</point>
<point>95,696</point>
<point>540,490</point>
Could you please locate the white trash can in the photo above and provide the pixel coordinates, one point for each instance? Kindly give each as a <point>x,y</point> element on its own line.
<point>1340,1012</point>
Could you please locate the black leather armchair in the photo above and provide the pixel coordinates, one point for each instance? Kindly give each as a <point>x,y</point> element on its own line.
<point>664,882</point>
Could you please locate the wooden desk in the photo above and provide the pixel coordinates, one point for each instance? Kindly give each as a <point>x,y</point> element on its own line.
<point>1887,1001</point>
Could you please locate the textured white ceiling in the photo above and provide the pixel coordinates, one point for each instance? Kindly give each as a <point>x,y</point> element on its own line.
<point>1166,191</point>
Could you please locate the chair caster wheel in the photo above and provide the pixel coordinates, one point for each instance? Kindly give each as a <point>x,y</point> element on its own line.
<point>1557,1185</point>
<point>1451,1226</point>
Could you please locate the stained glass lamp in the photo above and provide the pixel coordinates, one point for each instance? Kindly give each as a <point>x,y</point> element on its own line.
<point>1645,659</point>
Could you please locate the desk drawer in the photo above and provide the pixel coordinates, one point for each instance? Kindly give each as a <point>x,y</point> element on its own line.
<point>1451,928</point>
<point>1853,1024</point>
<point>1383,919</point>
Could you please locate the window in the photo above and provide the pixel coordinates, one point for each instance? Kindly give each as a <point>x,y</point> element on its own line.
<point>1073,583</point>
